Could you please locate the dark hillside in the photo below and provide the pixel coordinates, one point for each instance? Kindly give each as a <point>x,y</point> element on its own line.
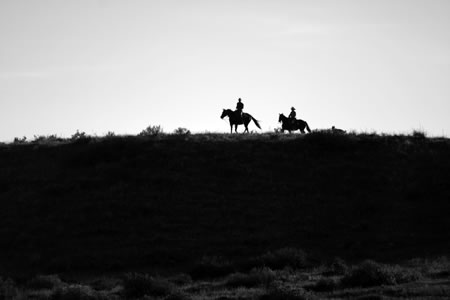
<point>121,203</point>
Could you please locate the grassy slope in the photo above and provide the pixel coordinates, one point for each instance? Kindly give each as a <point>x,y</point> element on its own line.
<point>136,202</point>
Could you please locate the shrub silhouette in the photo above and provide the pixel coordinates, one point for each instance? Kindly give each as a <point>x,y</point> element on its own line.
<point>419,135</point>
<point>78,136</point>
<point>44,139</point>
<point>20,140</point>
<point>181,131</point>
<point>110,134</point>
<point>151,131</point>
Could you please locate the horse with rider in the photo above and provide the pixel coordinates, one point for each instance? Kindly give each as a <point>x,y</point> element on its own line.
<point>291,123</point>
<point>238,117</point>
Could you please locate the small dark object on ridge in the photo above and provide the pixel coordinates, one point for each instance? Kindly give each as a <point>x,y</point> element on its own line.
<point>337,130</point>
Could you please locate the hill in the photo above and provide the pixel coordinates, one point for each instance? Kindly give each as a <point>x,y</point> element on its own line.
<point>165,201</point>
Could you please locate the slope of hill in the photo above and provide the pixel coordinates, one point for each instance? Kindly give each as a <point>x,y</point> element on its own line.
<point>122,203</point>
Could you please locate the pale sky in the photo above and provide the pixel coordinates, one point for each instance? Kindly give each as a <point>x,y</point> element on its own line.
<point>122,65</point>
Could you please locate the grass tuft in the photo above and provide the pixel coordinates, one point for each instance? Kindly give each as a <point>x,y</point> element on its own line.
<point>419,134</point>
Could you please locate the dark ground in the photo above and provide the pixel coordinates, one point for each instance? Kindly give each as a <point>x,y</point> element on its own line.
<point>136,203</point>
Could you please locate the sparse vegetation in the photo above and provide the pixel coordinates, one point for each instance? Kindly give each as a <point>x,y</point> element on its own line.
<point>419,134</point>
<point>110,134</point>
<point>181,131</point>
<point>152,130</point>
<point>47,139</point>
<point>79,136</point>
<point>20,140</point>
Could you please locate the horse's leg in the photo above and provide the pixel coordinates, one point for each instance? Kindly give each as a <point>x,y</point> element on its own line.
<point>235,128</point>
<point>301,128</point>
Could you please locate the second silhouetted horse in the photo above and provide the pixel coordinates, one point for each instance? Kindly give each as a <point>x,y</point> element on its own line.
<point>292,125</point>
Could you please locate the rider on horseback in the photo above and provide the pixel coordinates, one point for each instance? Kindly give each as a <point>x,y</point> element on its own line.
<point>292,115</point>
<point>239,108</point>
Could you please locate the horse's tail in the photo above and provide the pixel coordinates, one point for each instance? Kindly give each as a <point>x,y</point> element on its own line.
<point>307,127</point>
<point>256,122</point>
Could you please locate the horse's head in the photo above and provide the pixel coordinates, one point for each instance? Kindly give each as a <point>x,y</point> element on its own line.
<point>281,118</point>
<point>226,113</point>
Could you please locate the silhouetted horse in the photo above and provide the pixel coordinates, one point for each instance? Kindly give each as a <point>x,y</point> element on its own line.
<point>236,120</point>
<point>289,125</point>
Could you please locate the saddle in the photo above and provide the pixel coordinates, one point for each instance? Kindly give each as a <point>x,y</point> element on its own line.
<point>239,114</point>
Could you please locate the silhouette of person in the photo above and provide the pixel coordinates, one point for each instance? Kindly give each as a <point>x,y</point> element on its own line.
<point>292,115</point>
<point>239,108</point>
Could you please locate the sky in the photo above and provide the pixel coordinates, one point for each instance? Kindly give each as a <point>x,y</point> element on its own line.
<point>122,65</point>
